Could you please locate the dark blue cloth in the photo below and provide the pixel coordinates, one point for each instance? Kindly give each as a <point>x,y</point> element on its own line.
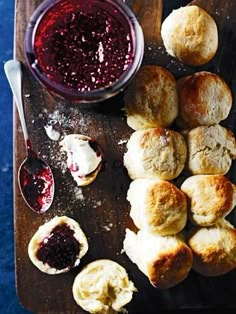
<point>8,299</point>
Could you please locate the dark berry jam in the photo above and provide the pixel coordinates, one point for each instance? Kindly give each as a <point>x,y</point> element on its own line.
<point>83,45</point>
<point>60,249</point>
<point>95,147</point>
<point>37,183</point>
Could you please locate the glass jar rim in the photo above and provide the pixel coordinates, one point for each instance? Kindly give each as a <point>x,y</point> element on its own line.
<point>96,94</point>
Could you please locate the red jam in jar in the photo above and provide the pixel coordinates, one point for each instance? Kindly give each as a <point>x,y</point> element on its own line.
<point>76,47</point>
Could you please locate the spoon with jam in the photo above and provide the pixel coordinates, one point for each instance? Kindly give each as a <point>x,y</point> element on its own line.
<point>35,177</point>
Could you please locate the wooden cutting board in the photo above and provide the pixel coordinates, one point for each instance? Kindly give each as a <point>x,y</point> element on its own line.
<point>101,208</point>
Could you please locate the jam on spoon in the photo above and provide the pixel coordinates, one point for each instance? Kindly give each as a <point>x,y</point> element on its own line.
<point>34,176</point>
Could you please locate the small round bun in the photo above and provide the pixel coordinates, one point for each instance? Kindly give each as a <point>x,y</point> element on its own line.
<point>165,260</point>
<point>84,157</point>
<point>211,197</point>
<point>103,286</point>
<point>155,153</point>
<point>214,249</point>
<point>58,245</point>
<point>160,207</point>
<point>190,34</point>
<point>210,149</point>
<point>204,99</point>
<point>151,99</point>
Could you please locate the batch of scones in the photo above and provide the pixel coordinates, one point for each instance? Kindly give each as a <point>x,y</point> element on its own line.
<point>187,229</point>
<point>180,228</point>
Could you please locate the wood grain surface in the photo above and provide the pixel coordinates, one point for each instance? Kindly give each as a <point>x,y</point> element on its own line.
<point>101,208</point>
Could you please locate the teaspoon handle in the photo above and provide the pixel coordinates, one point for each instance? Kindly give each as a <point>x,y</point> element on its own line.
<point>13,73</point>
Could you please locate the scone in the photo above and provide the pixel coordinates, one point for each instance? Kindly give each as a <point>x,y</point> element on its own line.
<point>151,99</point>
<point>211,149</point>
<point>210,198</point>
<point>190,34</point>
<point>58,245</point>
<point>214,249</point>
<point>204,99</point>
<point>157,206</point>
<point>84,157</point>
<point>155,153</point>
<point>165,260</point>
<point>103,286</point>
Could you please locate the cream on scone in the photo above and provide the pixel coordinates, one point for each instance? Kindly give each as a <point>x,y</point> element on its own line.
<point>103,286</point>
<point>190,34</point>
<point>211,149</point>
<point>151,99</point>
<point>204,99</point>
<point>210,198</point>
<point>165,260</point>
<point>84,157</point>
<point>58,245</point>
<point>157,206</point>
<point>214,248</point>
<point>155,153</point>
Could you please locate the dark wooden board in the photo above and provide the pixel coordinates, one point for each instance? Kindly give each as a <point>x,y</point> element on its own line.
<point>104,211</point>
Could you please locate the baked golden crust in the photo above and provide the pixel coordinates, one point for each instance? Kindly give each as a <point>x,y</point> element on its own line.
<point>165,260</point>
<point>103,286</point>
<point>160,207</point>
<point>204,99</point>
<point>155,153</point>
<point>151,99</point>
<point>210,149</point>
<point>190,34</point>
<point>214,249</point>
<point>210,197</point>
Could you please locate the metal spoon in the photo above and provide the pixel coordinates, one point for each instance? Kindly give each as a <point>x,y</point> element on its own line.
<point>35,177</point>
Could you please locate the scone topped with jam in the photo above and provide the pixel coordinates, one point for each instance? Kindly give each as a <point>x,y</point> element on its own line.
<point>84,157</point>
<point>58,245</point>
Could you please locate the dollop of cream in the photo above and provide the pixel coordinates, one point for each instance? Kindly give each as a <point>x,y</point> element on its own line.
<point>81,158</point>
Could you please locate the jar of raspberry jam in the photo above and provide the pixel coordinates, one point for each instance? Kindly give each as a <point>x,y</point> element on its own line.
<point>84,51</point>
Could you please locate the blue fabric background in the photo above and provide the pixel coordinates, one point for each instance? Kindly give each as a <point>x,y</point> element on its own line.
<point>8,299</point>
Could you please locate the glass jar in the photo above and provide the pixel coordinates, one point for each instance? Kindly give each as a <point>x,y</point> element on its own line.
<point>84,51</point>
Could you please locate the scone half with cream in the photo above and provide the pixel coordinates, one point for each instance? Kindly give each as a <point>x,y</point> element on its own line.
<point>103,287</point>
<point>58,245</point>
<point>84,157</point>
<point>157,206</point>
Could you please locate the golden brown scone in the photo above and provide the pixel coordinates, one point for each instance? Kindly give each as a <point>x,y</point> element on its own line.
<point>155,153</point>
<point>214,249</point>
<point>151,100</point>
<point>58,245</point>
<point>157,206</point>
<point>165,260</point>
<point>204,99</point>
<point>190,34</point>
<point>103,287</point>
<point>210,149</point>
<point>210,197</point>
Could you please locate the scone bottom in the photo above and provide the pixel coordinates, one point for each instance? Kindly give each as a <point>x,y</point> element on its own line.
<point>60,249</point>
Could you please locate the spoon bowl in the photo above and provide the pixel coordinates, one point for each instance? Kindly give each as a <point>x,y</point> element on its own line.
<point>35,177</point>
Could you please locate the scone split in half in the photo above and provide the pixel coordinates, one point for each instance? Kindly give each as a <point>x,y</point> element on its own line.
<point>84,157</point>
<point>103,287</point>
<point>58,245</point>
